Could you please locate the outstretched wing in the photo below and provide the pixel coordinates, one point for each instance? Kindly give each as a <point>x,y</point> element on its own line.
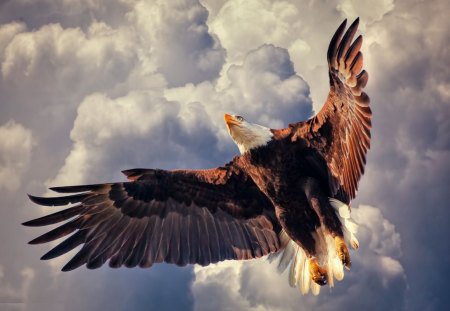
<point>180,217</point>
<point>341,130</point>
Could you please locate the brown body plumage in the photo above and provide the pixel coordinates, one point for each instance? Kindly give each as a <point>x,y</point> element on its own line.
<point>280,185</point>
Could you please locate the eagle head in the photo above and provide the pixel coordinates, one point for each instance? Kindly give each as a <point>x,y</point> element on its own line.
<point>247,135</point>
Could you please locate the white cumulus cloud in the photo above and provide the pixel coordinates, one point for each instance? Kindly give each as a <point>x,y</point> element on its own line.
<point>12,297</point>
<point>184,49</point>
<point>16,143</point>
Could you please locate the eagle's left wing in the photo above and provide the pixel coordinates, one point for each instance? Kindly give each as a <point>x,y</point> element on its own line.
<point>181,217</point>
<point>340,132</point>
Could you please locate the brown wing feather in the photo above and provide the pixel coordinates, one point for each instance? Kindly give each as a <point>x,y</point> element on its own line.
<point>347,108</point>
<point>341,130</point>
<point>180,217</point>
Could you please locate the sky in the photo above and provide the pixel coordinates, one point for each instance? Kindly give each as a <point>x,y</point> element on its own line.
<point>91,87</point>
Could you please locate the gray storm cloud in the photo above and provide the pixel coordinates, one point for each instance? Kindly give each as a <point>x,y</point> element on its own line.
<point>89,88</point>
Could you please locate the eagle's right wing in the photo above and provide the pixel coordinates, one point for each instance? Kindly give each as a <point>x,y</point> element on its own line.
<point>181,217</point>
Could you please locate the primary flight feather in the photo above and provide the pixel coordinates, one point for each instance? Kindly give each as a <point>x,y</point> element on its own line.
<point>286,195</point>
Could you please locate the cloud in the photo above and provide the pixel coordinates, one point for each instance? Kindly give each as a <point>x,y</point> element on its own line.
<point>7,33</point>
<point>134,133</point>
<point>179,125</point>
<point>376,276</point>
<point>267,87</point>
<point>368,11</point>
<point>68,13</point>
<point>12,297</point>
<point>73,60</point>
<point>16,143</point>
<point>181,121</point>
<point>408,152</point>
<point>179,40</point>
<point>134,289</point>
<point>236,20</point>
<point>245,25</point>
<point>264,88</point>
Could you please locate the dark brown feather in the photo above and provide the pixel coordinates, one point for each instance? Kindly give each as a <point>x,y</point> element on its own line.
<point>58,232</point>
<point>59,201</point>
<point>345,43</point>
<point>174,216</point>
<point>55,217</point>
<point>67,245</point>
<point>76,189</point>
<point>353,51</point>
<point>334,44</point>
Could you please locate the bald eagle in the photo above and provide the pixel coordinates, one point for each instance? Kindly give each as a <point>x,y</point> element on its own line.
<point>286,195</point>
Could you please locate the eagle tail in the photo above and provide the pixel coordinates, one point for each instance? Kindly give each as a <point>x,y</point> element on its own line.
<point>295,258</point>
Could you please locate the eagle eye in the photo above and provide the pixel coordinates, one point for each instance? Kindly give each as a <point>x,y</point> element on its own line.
<point>240,119</point>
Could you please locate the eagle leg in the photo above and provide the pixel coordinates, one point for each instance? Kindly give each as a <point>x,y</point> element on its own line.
<point>304,236</point>
<point>319,201</point>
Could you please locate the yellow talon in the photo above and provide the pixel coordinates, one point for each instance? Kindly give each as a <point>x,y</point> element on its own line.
<point>342,251</point>
<point>318,274</point>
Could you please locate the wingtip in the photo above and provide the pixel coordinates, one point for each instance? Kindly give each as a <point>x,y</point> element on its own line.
<point>32,197</point>
<point>68,267</point>
<point>342,26</point>
<point>58,201</point>
<point>355,23</point>
<point>78,188</point>
<point>37,200</point>
<point>34,242</point>
<point>45,257</point>
<point>77,261</point>
<point>32,223</point>
<point>28,223</point>
<point>334,43</point>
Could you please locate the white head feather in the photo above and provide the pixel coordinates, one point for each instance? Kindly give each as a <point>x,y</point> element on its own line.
<point>247,135</point>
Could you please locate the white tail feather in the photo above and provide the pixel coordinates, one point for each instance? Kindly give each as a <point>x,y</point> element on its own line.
<point>331,256</point>
<point>330,272</point>
<point>294,255</point>
<point>315,288</point>
<point>338,269</point>
<point>305,277</point>
<point>292,272</point>
<point>286,257</point>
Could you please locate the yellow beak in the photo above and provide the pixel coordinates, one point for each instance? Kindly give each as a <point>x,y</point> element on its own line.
<point>230,120</point>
